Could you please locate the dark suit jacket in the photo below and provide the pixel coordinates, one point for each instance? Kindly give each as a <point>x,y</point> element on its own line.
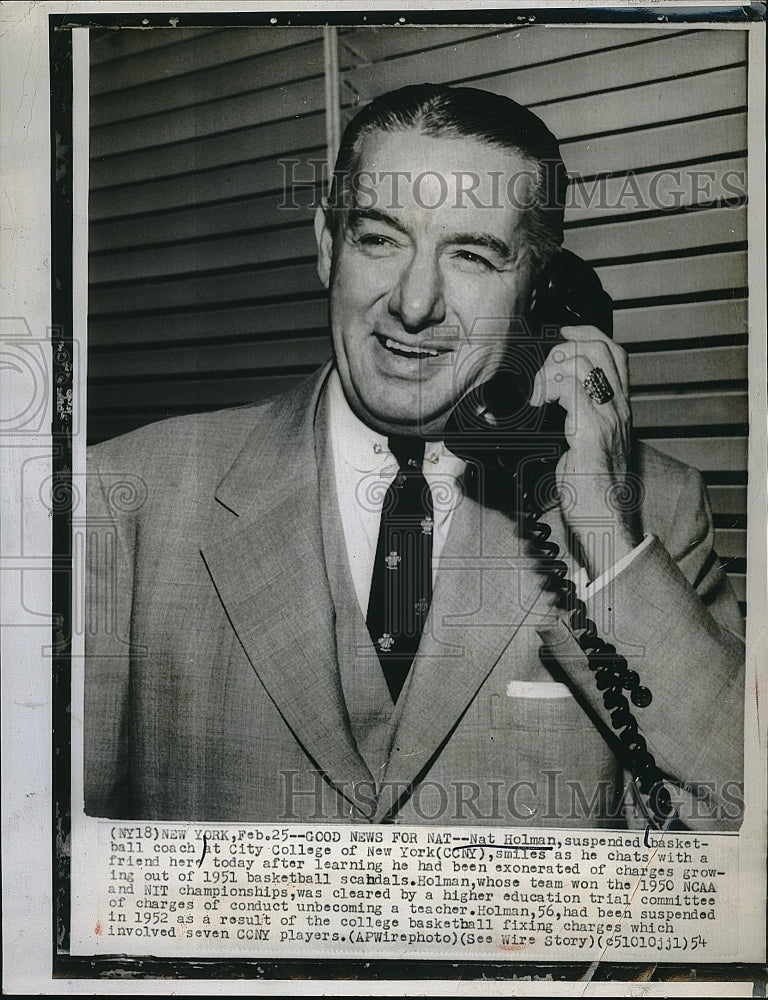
<point>212,682</point>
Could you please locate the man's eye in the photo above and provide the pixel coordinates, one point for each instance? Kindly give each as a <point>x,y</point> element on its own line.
<point>375,245</point>
<point>474,260</point>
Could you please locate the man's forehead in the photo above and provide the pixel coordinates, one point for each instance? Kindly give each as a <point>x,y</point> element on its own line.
<point>405,171</point>
<point>450,151</point>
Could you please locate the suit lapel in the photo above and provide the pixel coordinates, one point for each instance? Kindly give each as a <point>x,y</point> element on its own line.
<point>268,568</point>
<point>484,590</point>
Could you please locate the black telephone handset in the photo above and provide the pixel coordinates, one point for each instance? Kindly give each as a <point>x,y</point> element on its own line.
<point>494,426</point>
<point>512,449</point>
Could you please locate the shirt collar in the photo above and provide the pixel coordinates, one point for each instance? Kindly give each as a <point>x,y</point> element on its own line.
<point>367,451</point>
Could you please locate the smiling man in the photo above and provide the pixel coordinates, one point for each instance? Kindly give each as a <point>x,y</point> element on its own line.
<point>412,280</point>
<point>315,614</point>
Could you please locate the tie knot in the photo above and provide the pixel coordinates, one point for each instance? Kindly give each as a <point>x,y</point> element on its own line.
<point>409,451</point>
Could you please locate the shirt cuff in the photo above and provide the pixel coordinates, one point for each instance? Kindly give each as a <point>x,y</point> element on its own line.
<point>586,589</point>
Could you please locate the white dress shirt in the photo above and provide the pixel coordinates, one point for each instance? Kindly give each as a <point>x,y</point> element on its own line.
<point>364,468</point>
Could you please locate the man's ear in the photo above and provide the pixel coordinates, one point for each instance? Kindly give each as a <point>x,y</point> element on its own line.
<point>324,245</point>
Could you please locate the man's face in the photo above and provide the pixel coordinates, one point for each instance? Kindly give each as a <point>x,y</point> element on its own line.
<point>426,279</point>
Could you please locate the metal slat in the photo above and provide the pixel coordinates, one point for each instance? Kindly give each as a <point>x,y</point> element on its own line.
<point>206,326</point>
<point>708,454</point>
<point>630,150</point>
<point>681,276</point>
<point>731,543</point>
<point>609,198</point>
<point>365,45</point>
<point>229,183</point>
<point>636,107</point>
<point>204,153</point>
<point>622,281</point>
<point>728,500</point>
<point>192,393</point>
<point>198,223</point>
<point>690,320</point>
<point>300,352</point>
<point>683,231</point>
<point>371,44</point>
<point>510,63</point>
<point>674,321</point>
<point>511,53</point>
<point>189,50</point>
<point>699,409</point>
<point>246,287</point>
<point>656,190</point>
<point>208,255</point>
<point>222,82</point>
<point>695,320</point>
<point>275,104</point>
<point>709,364</point>
<point>656,145</point>
<point>108,45</point>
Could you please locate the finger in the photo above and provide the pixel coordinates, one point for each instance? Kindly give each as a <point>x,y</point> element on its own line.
<point>618,401</point>
<point>561,378</point>
<point>593,421</point>
<point>603,352</point>
<point>592,335</point>
<point>597,352</point>
<point>555,381</point>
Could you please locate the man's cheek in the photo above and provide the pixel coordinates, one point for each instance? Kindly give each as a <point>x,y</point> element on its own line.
<point>366,277</point>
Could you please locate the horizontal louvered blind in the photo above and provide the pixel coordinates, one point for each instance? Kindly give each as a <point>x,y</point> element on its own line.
<point>203,291</point>
<point>653,133</point>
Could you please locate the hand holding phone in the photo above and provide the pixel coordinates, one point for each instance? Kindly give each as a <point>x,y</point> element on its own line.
<point>593,473</point>
<point>536,421</point>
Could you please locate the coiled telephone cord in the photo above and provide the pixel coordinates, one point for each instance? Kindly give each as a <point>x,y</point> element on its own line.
<point>612,673</point>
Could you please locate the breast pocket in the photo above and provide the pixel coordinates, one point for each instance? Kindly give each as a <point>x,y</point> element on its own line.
<point>538,706</point>
<point>547,741</point>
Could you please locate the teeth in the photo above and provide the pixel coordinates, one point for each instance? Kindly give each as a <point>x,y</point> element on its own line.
<point>422,352</point>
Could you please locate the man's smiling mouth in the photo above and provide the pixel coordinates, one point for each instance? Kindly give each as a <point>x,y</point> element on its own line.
<point>409,350</point>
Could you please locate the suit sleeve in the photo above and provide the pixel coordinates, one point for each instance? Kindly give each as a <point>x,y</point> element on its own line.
<point>673,614</point>
<point>109,579</point>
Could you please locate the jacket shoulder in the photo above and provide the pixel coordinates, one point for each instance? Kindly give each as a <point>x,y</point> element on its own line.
<point>184,440</point>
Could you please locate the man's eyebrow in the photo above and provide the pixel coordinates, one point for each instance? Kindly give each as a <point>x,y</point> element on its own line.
<point>485,241</point>
<point>358,215</point>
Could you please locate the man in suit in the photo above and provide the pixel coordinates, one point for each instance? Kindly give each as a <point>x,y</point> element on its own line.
<point>256,662</point>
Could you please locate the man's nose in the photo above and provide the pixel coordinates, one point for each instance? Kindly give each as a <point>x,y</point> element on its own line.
<point>417,298</point>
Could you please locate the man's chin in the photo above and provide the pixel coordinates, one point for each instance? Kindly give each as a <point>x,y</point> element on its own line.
<point>387,420</point>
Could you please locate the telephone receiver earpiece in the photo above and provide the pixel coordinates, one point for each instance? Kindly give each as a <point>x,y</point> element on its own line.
<point>569,292</point>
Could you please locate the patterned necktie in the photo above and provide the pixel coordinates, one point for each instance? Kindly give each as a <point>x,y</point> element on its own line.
<point>401,584</point>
